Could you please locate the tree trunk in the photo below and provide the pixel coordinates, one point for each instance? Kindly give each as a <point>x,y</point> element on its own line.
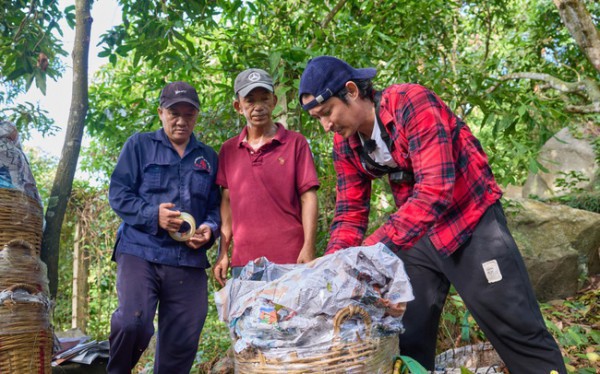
<point>579,23</point>
<point>65,173</point>
<point>81,265</point>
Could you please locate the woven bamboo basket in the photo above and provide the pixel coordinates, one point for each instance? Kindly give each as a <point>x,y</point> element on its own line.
<point>21,217</point>
<point>373,355</point>
<point>20,263</point>
<point>25,331</point>
<point>481,357</point>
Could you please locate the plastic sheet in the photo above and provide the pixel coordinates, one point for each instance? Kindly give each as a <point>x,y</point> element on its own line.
<point>282,308</point>
<point>23,311</point>
<point>14,167</point>
<point>20,204</point>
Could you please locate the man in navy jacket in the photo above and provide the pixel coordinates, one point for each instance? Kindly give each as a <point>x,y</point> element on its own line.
<point>159,176</point>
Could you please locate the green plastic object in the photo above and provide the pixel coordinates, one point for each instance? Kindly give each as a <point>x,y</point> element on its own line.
<point>407,365</point>
<point>465,329</point>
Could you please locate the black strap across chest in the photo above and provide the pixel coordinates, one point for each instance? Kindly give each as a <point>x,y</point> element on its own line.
<point>372,164</point>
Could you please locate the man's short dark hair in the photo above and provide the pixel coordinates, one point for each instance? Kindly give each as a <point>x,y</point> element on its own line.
<point>365,90</point>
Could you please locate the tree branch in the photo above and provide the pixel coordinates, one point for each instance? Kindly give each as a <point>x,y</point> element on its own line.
<point>586,87</point>
<point>556,83</point>
<point>24,21</point>
<point>333,12</point>
<point>329,18</point>
<point>584,109</point>
<point>579,23</point>
<point>489,17</point>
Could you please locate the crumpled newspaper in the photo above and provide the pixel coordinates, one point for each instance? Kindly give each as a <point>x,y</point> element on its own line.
<point>278,306</point>
<point>14,167</point>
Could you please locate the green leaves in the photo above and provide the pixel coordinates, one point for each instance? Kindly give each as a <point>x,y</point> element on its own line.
<point>70,15</point>
<point>458,49</point>
<point>30,48</point>
<point>27,30</point>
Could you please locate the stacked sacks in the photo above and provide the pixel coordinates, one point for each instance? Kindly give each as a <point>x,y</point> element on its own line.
<point>25,329</point>
<point>20,263</point>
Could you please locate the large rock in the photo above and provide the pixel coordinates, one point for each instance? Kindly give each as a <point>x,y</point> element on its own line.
<point>557,242</point>
<point>564,153</point>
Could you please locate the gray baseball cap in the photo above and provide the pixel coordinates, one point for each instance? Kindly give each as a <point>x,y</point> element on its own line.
<point>250,79</point>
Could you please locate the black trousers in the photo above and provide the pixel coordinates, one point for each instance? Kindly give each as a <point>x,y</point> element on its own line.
<point>502,300</point>
<point>179,293</point>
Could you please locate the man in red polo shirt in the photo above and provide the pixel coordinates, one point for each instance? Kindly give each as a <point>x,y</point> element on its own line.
<point>269,184</point>
<point>449,227</point>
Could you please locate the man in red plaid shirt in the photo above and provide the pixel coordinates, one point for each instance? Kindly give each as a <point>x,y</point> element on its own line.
<point>449,227</point>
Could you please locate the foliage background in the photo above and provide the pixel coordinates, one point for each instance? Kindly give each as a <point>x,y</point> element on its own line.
<point>459,49</point>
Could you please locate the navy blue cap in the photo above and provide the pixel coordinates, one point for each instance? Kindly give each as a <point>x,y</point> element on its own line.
<point>324,76</point>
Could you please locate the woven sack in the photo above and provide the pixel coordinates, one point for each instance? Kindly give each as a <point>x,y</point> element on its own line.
<point>25,331</point>
<point>20,263</point>
<point>20,217</point>
<point>373,355</point>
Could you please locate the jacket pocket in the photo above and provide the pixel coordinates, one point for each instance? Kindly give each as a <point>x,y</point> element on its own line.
<point>201,183</point>
<point>156,177</point>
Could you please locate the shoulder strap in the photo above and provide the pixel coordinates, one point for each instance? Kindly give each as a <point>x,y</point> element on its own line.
<point>397,174</point>
<point>364,156</point>
<point>384,134</point>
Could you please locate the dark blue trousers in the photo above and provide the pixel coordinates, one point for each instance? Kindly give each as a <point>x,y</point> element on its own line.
<point>506,310</point>
<point>180,293</point>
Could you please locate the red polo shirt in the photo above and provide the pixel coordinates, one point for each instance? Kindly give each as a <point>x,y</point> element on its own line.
<point>264,190</point>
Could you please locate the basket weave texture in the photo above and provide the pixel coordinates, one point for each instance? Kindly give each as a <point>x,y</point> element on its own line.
<point>25,331</point>
<point>374,355</point>
<point>478,358</point>
<point>20,263</point>
<point>21,217</point>
<point>26,338</point>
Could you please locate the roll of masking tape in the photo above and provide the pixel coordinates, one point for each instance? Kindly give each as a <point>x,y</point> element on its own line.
<point>184,236</point>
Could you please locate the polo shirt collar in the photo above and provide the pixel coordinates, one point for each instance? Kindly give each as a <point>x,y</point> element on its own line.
<point>280,134</point>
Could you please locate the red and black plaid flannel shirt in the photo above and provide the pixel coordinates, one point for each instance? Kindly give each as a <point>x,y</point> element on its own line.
<point>453,186</point>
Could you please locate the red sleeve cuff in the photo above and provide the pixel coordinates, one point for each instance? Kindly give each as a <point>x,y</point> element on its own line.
<point>383,239</point>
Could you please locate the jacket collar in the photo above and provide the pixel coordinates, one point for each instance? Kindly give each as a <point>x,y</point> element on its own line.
<point>160,136</point>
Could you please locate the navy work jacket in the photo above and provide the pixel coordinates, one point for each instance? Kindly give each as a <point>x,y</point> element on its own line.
<point>150,172</point>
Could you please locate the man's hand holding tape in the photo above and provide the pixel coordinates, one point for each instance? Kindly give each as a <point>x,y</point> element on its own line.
<point>171,221</point>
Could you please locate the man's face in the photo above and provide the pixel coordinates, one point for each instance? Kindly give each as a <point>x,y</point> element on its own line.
<point>335,116</point>
<point>257,107</point>
<point>178,122</point>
